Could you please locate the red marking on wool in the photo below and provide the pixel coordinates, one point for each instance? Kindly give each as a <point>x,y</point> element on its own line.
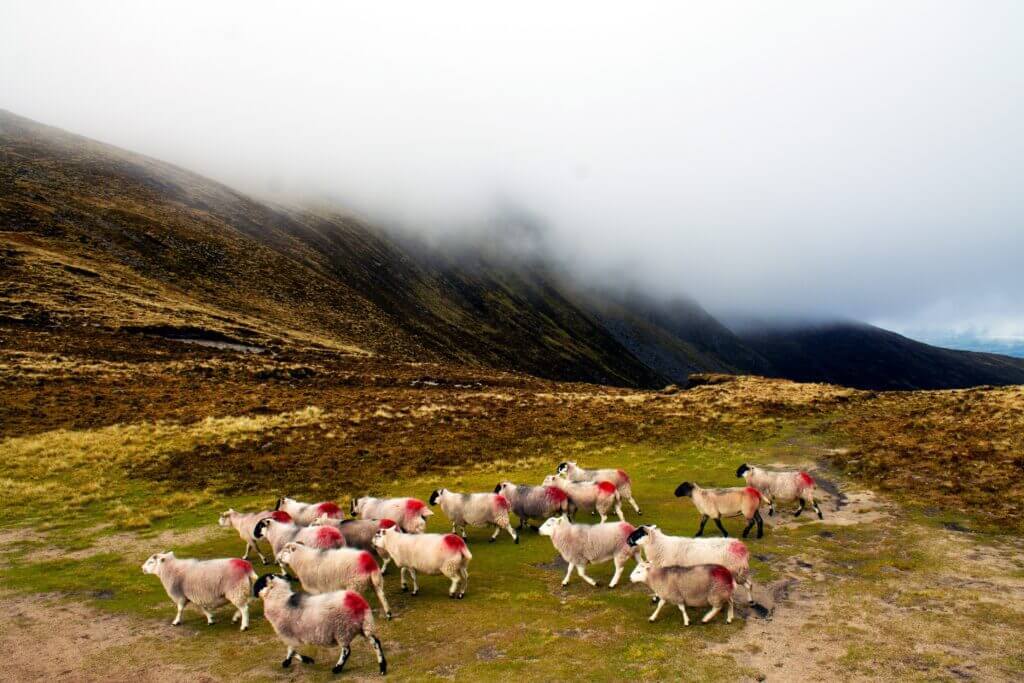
<point>414,507</point>
<point>366,563</point>
<point>453,543</point>
<point>386,524</point>
<point>240,567</point>
<point>751,491</point>
<point>328,508</point>
<point>805,480</point>
<point>501,502</point>
<point>738,549</point>
<point>281,516</point>
<point>722,575</point>
<point>356,605</point>
<point>555,494</point>
<point>627,528</point>
<point>623,477</point>
<point>328,537</point>
<point>606,487</point>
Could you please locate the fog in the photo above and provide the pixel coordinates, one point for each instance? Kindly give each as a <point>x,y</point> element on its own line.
<point>853,160</point>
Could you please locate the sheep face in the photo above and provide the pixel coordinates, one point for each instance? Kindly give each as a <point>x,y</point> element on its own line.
<point>500,488</point>
<point>225,518</point>
<point>684,489</point>
<point>268,583</point>
<point>549,480</point>
<point>281,502</point>
<point>639,573</point>
<point>435,495</point>
<point>640,537</point>
<point>355,507</point>
<point>562,468</point>
<point>742,469</point>
<point>417,525</point>
<point>152,565</point>
<point>378,538</point>
<point>548,527</point>
<point>285,556</point>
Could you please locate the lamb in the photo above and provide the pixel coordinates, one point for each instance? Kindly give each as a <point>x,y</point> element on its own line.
<point>245,522</point>
<point>601,497</point>
<point>571,471</point>
<point>326,619</point>
<point>322,571</point>
<point>445,554</point>
<point>303,514</point>
<point>410,514</point>
<point>697,586</point>
<point>278,534</point>
<point>475,509</point>
<point>208,584</point>
<point>583,544</point>
<point>782,486</point>
<point>662,550</point>
<point>718,503</point>
<point>535,502</point>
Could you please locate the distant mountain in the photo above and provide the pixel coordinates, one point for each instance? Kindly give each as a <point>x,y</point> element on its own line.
<point>97,240</point>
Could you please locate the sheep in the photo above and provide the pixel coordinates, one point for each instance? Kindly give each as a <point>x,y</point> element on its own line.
<point>410,514</point>
<point>535,502</point>
<point>573,472</point>
<point>245,522</point>
<point>475,509</point>
<point>326,619</point>
<point>697,586</point>
<point>731,502</point>
<point>445,554</point>
<point>583,544</point>
<point>322,571</point>
<point>358,533</point>
<point>280,533</point>
<point>303,514</point>
<point>601,496</point>
<point>782,486</point>
<point>663,550</point>
<point>207,584</point>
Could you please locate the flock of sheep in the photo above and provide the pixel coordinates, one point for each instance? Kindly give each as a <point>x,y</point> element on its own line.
<point>336,560</point>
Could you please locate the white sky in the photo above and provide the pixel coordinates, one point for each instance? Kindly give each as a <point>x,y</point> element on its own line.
<point>852,159</point>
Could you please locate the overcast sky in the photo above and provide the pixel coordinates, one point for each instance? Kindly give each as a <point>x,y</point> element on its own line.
<point>861,160</point>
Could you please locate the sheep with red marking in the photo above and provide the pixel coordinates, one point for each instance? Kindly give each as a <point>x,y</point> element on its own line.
<point>245,523</point>
<point>278,534</point>
<point>718,503</point>
<point>585,544</point>
<point>702,585</point>
<point>328,619</point>
<point>573,472</point>
<point>322,571</point>
<point>475,509</point>
<point>445,554</point>
<point>535,502</point>
<point>207,584</point>
<point>358,533</point>
<point>410,514</point>
<point>303,514</point>
<point>663,550</point>
<point>590,496</point>
<point>783,486</point>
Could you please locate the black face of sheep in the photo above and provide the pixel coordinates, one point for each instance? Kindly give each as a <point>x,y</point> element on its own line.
<point>257,531</point>
<point>434,496</point>
<point>352,507</point>
<point>562,467</point>
<point>742,469</point>
<point>280,502</point>
<point>684,489</point>
<point>260,584</point>
<point>640,532</point>
<point>497,489</point>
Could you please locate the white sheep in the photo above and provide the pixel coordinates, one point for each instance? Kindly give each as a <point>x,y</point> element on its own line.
<point>245,522</point>
<point>590,496</point>
<point>475,509</point>
<point>358,533</point>
<point>410,514</point>
<point>303,514</point>
<point>663,550</point>
<point>327,619</point>
<point>280,533</point>
<point>584,544</point>
<point>208,584</point>
<point>535,502</point>
<point>730,502</point>
<point>323,571</point>
<point>573,472</point>
<point>782,486</point>
<point>445,554</point>
<point>697,586</point>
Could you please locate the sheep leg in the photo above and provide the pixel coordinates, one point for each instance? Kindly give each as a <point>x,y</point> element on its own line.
<point>256,547</point>
<point>799,509</point>
<point>209,617</point>
<point>494,536</point>
<point>181,608</point>
<point>378,588</point>
<point>288,658</point>
<point>814,504</point>
<point>618,511</point>
<point>581,570</point>
<point>604,518</point>
<point>749,585</point>
<point>243,613</point>
<point>703,521</point>
<point>512,533</point>
<point>379,651</point>
<point>686,617</point>
<point>750,524</point>
<point>464,532</point>
<point>729,615</point>
<point>384,565</point>
<point>568,575</point>
<point>401,574</point>
<point>760,523</point>
<point>465,582</point>
<point>718,523</point>
<point>345,652</point>
<point>619,566</point>
<point>657,610</point>
<point>456,580</point>
<point>415,583</point>
<point>771,505</point>
<point>711,614</point>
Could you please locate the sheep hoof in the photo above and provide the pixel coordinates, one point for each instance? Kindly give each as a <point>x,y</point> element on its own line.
<point>337,669</point>
<point>405,589</point>
<point>491,540</point>
<point>306,660</point>
<point>639,514</point>
<point>651,619</point>
<point>286,663</point>
<point>517,540</point>
<point>461,595</point>
<point>415,592</point>
<point>387,615</point>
